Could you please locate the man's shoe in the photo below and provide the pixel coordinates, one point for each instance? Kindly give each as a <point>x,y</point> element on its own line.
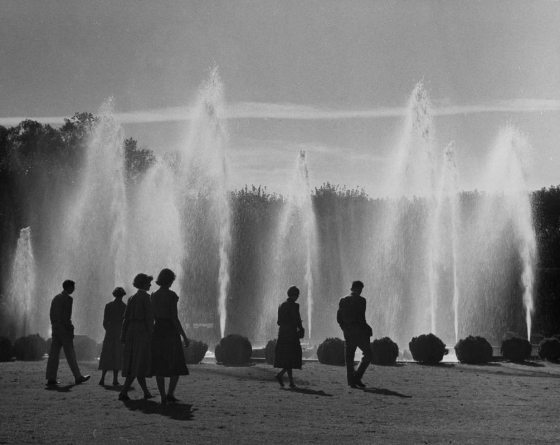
<point>82,379</point>
<point>52,383</point>
<point>359,383</point>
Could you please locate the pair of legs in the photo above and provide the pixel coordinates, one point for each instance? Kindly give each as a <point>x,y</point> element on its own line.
<point>280,376</point>
<point>66,342</point>
<point>168,396</point>
<point>115,377</point>
<point>123,395</point>
<point>354,377</point>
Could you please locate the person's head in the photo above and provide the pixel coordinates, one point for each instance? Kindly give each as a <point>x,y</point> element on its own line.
<point>142,281</point>
<point>293,293</point>
<point>165,278</point>
<point>119,292</point>
<point>68,286</point>
<point>357,287</point>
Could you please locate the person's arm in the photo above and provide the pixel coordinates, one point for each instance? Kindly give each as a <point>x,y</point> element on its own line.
<point>300,330</point>
<point>339,315</point>
<point>148,313</point>
<point>125,322</point>
<point>363,316</point>
<point>175,317</point>
<point>106,317</point>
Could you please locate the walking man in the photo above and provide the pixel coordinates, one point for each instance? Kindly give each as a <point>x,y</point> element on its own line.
<point>63,336</point>
<point>351,316</point>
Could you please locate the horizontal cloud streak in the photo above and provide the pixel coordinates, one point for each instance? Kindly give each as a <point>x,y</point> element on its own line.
<point>261,110</point>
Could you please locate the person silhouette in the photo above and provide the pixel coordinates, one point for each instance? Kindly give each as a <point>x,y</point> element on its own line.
<point>168,358</point>
<point>287,354</point>
<point>138,325</point>
<point>111,352</point>
<point>63,336</point>
<point>351,316</point>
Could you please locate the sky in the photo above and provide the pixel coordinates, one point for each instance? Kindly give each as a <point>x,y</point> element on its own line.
<point>329,76</point>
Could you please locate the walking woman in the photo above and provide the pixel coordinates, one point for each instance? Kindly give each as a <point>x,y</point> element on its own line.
<point>168,359</point>
<point>136,334</point>
<point>111,353</point>
<point>288,350</point>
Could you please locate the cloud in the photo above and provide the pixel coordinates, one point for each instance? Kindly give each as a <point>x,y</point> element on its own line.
<point>263,110</point>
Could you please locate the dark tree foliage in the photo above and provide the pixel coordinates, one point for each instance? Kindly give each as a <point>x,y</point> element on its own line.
<point>549,349</point>
<point>31,347</point>
<point>427,348</point>
<point>331,352</point>
<point>473,350</point>
<point>195,352</point>
<point>6,349</point>
<point>137,160</point>
<point>384,351</point>
<point>516,349</point>
<point>233,349</point>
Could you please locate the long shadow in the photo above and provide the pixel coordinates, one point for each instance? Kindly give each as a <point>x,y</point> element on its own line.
<point>58,388</point>
<point>175,411</point>
<point>311,392</point>
<point>386,392</point>
<point>530,364</point>
<point>113,388</point>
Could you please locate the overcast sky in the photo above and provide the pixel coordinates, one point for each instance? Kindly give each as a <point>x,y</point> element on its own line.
<point>329,76</point>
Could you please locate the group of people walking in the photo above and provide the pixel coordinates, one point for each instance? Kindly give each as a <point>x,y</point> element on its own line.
<point>143,337</point>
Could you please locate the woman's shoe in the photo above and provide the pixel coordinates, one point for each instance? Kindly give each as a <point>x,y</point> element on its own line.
<point>148,396</point>
<point>116,383</point>
<point>292,385</point>
<point>172,399</point>
<point>279,380</point>
<point>123,396</point>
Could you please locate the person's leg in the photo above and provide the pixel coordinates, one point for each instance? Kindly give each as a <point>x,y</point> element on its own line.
<point>349,352</point>
<point>102,380</point>
<point>172,386</point>
<point>142,383</point>
<point>52,363</point>
<point>280,375</point>
<point>68,346</point>
<point>123,395</point>
<point>366,359</point>
<point>161,388</point>
<point>291,378</point>
<point>115,377</point>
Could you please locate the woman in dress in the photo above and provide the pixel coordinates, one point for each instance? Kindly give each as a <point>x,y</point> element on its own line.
<point>168,359</point>
<point>138,325</point>
<point>111,353</point>
<point>288,350</point>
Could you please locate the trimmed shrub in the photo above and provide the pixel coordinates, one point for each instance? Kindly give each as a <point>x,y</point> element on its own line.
<point>195,352</point>
<point>473,350</point>
<point>31,347</point>
<point>331,352</point>
<point>270,352</point>
<point>86,348</point>
<point>516,349</point>
<point>6,349</point>
<point>233,349</point>
<point>384,351</point>
<point>549,349</point>
<point>427,348</point>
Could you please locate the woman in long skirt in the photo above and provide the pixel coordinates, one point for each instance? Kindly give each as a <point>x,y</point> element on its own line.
<point>168,359</point>
<point>111,353</point>
<point>136,334</point>
<point>287,354</point>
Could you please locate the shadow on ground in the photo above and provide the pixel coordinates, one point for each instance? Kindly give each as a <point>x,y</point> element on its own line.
<point>175,411</point>
<point>386,392</point>
<point>308,391</point>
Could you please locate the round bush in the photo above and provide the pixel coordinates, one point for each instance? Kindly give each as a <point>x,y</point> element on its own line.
<point>516,349</point>
<point>549,349</point>
<point>427,348</point>
<point>473,350</point>
<point>31,347</point>
<point>270,351</point>
<point>384,351</point>
<point>331,352</point>
<point>86,348</point>
<point>195,352</point>
<point>233,349</point>
<point>6,349</point>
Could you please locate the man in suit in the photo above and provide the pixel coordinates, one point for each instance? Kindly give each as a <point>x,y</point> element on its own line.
<point>351,316</point>
<point>63,335</point>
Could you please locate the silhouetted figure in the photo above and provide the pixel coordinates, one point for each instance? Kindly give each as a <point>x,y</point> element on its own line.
<point>136,334</point>
<point>63,335</point>
<point>112,350</point>
<point>168,359</point>
<point>351,317</point>
<point>287,354</point>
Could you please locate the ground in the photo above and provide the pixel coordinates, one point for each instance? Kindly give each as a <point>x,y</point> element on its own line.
<point>406,403</point>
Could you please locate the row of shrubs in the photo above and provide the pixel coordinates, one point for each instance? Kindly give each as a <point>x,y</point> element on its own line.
<point>237,350</point>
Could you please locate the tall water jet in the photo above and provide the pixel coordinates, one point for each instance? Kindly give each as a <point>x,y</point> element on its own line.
<point>206,205</point>
<point>94,239</point>
<point>21,293</point>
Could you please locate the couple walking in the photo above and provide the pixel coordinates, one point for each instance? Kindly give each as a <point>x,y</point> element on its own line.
<point>351,317</point>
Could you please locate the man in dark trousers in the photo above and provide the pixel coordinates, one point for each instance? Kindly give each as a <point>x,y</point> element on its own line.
<point>63,335</point>
<point>351,317</point>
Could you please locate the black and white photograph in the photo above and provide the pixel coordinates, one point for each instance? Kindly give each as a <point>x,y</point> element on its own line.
<point>279,221</point>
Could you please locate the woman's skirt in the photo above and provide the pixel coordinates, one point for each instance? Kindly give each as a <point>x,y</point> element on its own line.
<point>288,349</point>
<point>168,358</point>
<point>137,350</point>
<point>112,350</point>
